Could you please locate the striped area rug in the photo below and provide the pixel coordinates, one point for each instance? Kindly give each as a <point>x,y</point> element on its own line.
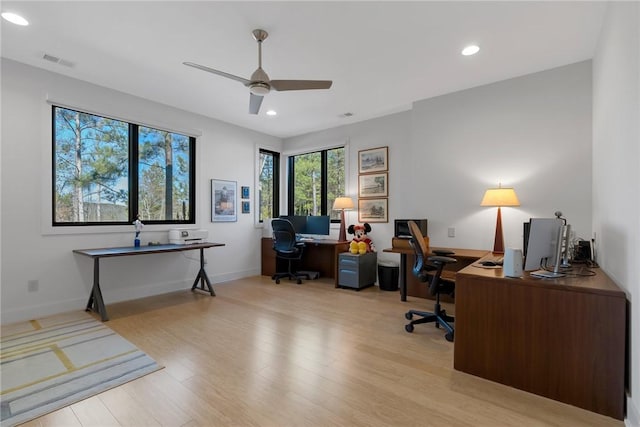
<point>50,363</point>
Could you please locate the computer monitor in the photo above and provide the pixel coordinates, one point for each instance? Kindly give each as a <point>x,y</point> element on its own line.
<point>543,246</point>
<point>299,222</point>
<point>318,225</point>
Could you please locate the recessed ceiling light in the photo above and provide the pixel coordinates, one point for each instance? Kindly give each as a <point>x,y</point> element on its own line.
<point>470,50</point>
<point>271,113</point>
<point>14,18</point>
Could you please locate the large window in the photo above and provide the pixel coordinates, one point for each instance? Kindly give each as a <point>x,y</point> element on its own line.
<point>315,180</point>
<point>268,186</point>
<point>109,172</point>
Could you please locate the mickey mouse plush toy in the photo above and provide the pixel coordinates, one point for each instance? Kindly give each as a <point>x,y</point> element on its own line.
<point>360,244</point>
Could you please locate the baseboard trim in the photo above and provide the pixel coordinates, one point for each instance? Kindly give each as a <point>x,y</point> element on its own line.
<point>113,296</point>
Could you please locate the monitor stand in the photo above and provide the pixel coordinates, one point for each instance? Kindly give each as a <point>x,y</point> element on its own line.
<point>544,274</point>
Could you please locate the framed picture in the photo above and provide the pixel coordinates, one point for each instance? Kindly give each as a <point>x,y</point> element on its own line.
<point>246,208</point>
<point>373,185</point>
<point>373,160</point>
<point>245,192</point>
<point>223,201</point>
<point>373,210</point>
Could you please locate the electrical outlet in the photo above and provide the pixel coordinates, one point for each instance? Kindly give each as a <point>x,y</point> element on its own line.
<point>451,232</point>
<point>33,285</point>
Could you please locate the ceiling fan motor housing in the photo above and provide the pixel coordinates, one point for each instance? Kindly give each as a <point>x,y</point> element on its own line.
<point>259,88</point>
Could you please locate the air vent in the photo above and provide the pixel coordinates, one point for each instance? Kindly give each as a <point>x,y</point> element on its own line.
<point>50,58</point>
<point>57,60</point>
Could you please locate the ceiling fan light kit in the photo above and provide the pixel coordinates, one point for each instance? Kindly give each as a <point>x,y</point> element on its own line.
<point>260,84</point>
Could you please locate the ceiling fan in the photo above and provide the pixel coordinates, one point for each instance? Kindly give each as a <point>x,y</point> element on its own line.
<point>259,83</point>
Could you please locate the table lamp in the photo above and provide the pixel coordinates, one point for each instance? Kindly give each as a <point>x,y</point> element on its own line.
<point>499,197</point>
<point>340,204</point>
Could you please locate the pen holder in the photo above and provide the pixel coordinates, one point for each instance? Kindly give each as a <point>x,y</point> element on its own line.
<point>136,242</point>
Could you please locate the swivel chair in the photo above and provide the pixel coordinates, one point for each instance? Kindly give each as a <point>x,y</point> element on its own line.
<point>430,272</point>
<point>286,247</point>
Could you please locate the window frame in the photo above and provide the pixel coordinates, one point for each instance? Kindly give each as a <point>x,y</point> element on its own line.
<point>324,179</point>
<point>275,208</point>
<point>133,181</point>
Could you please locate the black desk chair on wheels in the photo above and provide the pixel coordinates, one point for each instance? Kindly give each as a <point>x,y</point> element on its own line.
<point>286,247</point>
<point>430,272</point>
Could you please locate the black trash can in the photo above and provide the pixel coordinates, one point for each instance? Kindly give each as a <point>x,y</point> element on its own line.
<point>388,272</point>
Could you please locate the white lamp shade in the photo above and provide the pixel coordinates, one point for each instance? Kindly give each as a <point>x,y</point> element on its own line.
<point>500,197</point>
<point>343,203</point>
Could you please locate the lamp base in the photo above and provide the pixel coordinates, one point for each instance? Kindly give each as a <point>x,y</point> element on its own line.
<point>498,243</point>
<point>342,236</point>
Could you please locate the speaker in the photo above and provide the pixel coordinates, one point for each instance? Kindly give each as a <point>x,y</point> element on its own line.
<point>582,251</point>
<point>512,263</point>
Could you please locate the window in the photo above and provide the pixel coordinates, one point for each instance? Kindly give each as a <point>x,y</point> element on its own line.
<point>315,180</point>
<point>268,186</point>
<point>109,172</point>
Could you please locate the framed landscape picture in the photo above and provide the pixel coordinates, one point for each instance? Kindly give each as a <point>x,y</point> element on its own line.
<point>223,201</point>
<point>373,160</point>
<point>373,210</point>
<point>373,185</point>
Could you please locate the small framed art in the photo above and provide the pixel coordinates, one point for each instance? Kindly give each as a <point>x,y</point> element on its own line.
<point>373,210</point>
<point>373,160</point>
<point>245,192</point>
<point>223,201</point>
<point>373,185</point>
<point>246,207</point>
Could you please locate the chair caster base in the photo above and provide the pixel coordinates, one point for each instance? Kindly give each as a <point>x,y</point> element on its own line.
<point>408,327</point>
<point>449,337</point>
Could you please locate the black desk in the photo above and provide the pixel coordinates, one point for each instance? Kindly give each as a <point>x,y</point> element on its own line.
<point>96,303</point>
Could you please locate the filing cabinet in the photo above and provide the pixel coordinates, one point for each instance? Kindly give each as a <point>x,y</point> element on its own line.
<point>357,271</point>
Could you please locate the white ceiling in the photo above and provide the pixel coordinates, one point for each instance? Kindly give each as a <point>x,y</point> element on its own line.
<point>381,56</point>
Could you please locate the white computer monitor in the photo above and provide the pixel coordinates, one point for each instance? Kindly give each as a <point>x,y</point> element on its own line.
<point>543,246</point>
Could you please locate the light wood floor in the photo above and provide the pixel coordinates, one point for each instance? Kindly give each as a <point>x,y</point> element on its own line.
<point>260,354</point>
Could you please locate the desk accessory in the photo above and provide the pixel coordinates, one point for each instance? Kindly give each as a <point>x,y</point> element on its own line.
<point>512,263</point>
<point>499,197</point>
<point>137,225</point>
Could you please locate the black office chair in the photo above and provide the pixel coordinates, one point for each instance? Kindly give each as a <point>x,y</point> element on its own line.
<point>430,272</point>
<point>286,247</point>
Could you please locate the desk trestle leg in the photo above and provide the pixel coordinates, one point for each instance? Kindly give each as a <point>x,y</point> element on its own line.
<point>96,303</point>
<point>202,277</point>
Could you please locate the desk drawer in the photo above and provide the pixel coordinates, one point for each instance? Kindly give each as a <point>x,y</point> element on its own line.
<point>357,271</point>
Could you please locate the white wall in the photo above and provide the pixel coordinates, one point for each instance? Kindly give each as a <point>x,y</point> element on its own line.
<point>616,165</point>
<point>531,132</point>
<point>392,131</point>
<point>31,250</point>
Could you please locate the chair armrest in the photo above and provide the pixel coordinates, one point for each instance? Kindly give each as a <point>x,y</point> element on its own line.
<point>442,259</point>
<point>443,252</point>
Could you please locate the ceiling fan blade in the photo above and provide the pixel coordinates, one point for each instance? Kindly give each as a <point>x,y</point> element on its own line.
<point>254,103</point>
<point>300,84</point>
<point>242,80</point>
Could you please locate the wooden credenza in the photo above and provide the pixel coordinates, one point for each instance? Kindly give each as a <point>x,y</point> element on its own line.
<point>563,338</point>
